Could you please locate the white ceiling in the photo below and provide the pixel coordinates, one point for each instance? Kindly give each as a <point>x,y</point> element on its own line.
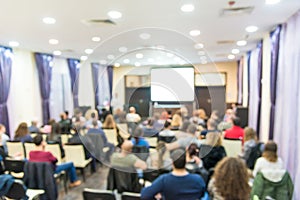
<point>163,20</point>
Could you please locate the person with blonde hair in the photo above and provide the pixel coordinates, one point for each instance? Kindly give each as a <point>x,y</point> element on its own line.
<point>230,180</point>
<point>22,133</point>
<point>109,122</point>
<point>176,122</point>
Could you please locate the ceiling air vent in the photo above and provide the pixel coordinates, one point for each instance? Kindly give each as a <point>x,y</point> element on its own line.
<point>96,22</point>
<point>221,42</point>
<point>236,11</point>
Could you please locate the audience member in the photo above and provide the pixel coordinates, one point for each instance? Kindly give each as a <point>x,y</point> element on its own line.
<point>40,155</point>
<point>215,116</point>
<point>269,159</point>
<point>178,184</point>
<point>196,119</point>
<point>230,180</point>
<point>211,127</point>
<point>54,136</point>
<point>126,158</point>
<point>202,114</point>
<point>22,133</point>
<point>138,139</point>
<point>65,124</point>
<point>109,122</point>
<point>33,128</point>
<point>3,138</point>
<point>166,132</point>
<point>192,157</point>
<point>120,116</point>
<point>78,117</point>
<point>149,130</point>
<point>235,132</point>
<point>212,151</point>
<point>103,114</point>
<point>250,141</point>
<point>132,116</point>
<point>89,123</point>
<point>228,115</point>
<point>158,124</point>
<point>176,122</point>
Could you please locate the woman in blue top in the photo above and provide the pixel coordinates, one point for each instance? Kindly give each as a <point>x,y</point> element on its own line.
<point>138,139</point>
<point>22,133</point>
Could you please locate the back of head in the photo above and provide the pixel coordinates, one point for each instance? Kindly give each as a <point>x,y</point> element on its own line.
<point>202,113</point>
<point>22,130</point>
<point>213,139</point>
<point>249,134</point>
<point>179,159</point>
<point>126,146</point>
<point>193,150</point>
<point>93,115</point>
<point>212,124</point>
<point>192,128</point>
<point>176,120</point>
<point>236,121</point>
<point>132,109</point>
<point>231,179</point>
<point>38,139</point>
<point>138,132</point>
<point>270,151</point>
<point>150,121</point>
<point>167,124</point>
<point>95,123</point>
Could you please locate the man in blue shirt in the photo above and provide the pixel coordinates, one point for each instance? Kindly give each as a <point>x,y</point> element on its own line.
<point>178,184</point>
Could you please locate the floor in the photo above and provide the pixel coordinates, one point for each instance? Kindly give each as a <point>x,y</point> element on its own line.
<point>97,180</point>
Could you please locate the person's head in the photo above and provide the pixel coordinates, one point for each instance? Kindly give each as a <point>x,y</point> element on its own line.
<point>213,139</point>
<point>236,121</point>
<point>202,113</point>
<point>38,140</point>
<point>150,121</point>
<point>164,115</point>
<point>192,129</point>
<point>126,146</point>
<point>34,123</point>
<point>77,112</point>
<point>2,129</point>
<point>185,125</point>
<point>167,124</point>
<point>95,123</point>
<point>211,124</point>
<point>178,158</point>
<point>193,150</point>
<point>109,122</point>
<point>22,130</point>
<point>51,121</point>
<point>231,179</point>
<point>215,115</point>
<point>63,116</point>
<point>176,120</point>
<point>138,132</point>
<point>132,109</point>
<point>250,134</point>
<point>270,151</point>
<point>67,113</point>
<point>93,115</point>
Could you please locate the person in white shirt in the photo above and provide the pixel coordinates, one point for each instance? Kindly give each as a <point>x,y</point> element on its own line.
<point>132,116</point>
<point>167,130</point>
<point>3,138</point>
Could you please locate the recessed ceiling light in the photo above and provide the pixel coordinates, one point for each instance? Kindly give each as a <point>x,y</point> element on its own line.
<point>53,41</point>
<point>235,51</point>
<point>139,55</point>
<point>231,56</point>
<point>96,39</point>
<point>170,55</point>
<point>145,36</point>
<point>241,43</point>
<point>13,44</point>
<point>117,65</point>
<point>123,49</point>
<point>137,64</point>
<point>103,62</point>
<point>111,57</point>
<point>88,51</point>
<point>150,60</point>
<point>57,53</point>
<point>126,61</point>
<point>49,20</point>
<point>251,29</point>
<point>271,2</point>
<point>194,33</point>
<point>199,46</point>
<point>203,62</point>
<point>201,53</point>
<point>114,14</point>
<point>187,8</point>
<point>83,58</point>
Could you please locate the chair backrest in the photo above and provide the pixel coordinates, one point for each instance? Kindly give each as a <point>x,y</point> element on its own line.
<point>123,130</point>
<point>28,146</point>
<point>111,136</point>
<point>64,138</point>
<point>130,196</point>
<point>16,166</point>
<point>15,148</point>
<point>75,154</point>
<point>232,147</point>
<point>92,194</point>
<point>167,139</point>
<point>17,191</point>
<point>55,150</point>
<point>152,141</point>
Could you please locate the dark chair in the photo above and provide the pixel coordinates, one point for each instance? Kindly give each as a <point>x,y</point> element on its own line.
<point>123,180</point>
<point>167,139</point>
<point>17,191</point>
<point>14,167</point>
<point>130,196</point>
<point>141,152</point>
<point>92,194</point>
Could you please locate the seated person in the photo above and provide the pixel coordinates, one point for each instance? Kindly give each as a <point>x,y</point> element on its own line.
<point>212,151</point>
<point>166,132</point>
<point>138,139</point>
<point>40,155</point>
<point>126,158</point>
<point>176,122</point>
<point>94,117</point>
<point>178,184</point>
<point>22,133</point>
<point>33,128</point>
<point>235,132</point>
<point>211,127</point>
<point>149,130</point>
<point>3,138</point>
<point>109,122</point>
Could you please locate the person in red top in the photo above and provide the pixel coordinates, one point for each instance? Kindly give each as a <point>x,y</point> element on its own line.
<point>40,155</point>
<point>235,132</point>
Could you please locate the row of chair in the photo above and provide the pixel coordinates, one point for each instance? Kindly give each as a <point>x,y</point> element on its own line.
<point>93,194</point>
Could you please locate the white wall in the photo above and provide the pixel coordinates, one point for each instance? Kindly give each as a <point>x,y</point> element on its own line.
<point>24,100</point>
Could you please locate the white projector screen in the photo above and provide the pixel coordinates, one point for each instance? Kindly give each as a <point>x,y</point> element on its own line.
<point>172,84</point>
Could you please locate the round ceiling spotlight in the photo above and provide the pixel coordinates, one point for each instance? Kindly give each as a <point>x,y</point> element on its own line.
<point>194,33</point>
<point>49,20</point>
<point>187,8</point>
<point>114,14</point>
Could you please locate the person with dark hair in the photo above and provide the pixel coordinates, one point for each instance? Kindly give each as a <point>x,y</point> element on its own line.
<point>230,180</point>
<point>166,132</point>
<point>22,133</point>
<point>138,139</point>
<point>40,155</point>
<point>178,184</point>
<point>235,132</point>
<point>65,124</point>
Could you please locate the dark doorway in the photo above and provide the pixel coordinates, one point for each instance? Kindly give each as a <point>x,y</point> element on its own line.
<point>211,98</point>
<point>139,98</point>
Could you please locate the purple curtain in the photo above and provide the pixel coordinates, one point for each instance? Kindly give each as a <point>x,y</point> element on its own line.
<point>95,77</point>
<point>275,39</point>
<point>5,76</point>
<point>240,81</point>
<point>259,77</point>
<point>110,81</point>
<point>74,68</point>
<point>44,63</point>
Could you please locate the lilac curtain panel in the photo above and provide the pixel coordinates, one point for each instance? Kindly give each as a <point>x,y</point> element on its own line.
<point>110,81</point>
<point>287,108</point>
<point>240,81</point>
<point>74,69</point>
<point>95,77</point>
<point>5,76</point>
<point>275,38</point>
<point>44,63</point>
<point>255,69</point>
